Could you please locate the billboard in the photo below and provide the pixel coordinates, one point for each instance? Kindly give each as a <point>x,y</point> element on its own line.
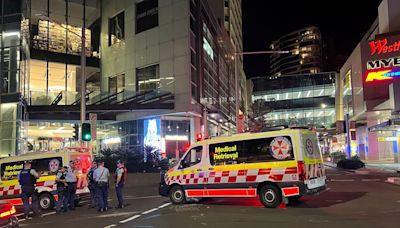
<point>380,59</point>
<point>152,133</point>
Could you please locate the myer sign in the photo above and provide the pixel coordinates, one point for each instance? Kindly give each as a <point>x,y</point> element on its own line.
<point>380,66</point>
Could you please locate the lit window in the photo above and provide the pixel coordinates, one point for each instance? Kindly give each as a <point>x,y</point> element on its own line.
<point>116,29</point>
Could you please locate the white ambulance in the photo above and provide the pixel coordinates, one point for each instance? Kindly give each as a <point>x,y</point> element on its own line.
<point>46,164</point>
<point>276,166</point>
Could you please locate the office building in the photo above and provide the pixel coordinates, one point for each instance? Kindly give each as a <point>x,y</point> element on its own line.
<point>157,73</point>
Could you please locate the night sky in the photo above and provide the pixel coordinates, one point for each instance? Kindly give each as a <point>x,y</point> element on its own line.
<point>343,21</point>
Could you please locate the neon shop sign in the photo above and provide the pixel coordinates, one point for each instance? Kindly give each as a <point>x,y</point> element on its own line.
<point>383,69</point>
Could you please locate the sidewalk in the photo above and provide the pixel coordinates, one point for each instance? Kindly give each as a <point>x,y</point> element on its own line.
<point>375,168</point>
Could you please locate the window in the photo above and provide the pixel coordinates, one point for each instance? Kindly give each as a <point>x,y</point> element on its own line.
<point>44,167</point>
<point>193,157</point>
<point>146,15</point>
<point>148,78</point>
<point>116,29</point>
<point>116,84</point>
<point>252,151</point>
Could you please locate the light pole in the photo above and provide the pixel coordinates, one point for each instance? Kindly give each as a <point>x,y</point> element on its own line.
<point>237,98</point>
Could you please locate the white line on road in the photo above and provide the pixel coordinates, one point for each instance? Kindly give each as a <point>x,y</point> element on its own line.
<point>129,219</point>
<point>19,214</point>
<point>164,205</point>
<point>370,179</point>
<point>344,180</point>
<point>50,213</point>
<point>149,211</point>
<point>109,226</point>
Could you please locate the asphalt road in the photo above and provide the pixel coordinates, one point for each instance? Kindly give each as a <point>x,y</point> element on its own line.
<point>352,200</point>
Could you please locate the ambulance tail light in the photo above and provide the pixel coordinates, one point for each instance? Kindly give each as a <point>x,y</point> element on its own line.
<point>7,210</point>
<point>301,167</point>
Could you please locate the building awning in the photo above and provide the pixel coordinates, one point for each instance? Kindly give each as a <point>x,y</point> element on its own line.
<point>391,125</point>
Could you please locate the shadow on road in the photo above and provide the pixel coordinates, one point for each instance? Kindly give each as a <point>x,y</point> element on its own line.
<point>326,199</point>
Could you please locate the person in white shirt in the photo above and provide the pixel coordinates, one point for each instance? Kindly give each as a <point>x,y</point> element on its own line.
<point>101,175</point>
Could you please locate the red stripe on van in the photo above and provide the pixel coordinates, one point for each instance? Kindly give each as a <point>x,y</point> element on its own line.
<point>291,191</point>
<point>232,192</point>
<point>195,193</point>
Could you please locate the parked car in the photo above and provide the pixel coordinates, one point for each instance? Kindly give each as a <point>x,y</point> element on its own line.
<point>7,216</point>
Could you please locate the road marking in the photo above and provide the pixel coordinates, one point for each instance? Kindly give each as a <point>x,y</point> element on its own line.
<point>344,180</point>
<point>50,213</point>
<point>117,214</point>
<point>370,179</point>
<point>164,205</point>
<point>21,220</point>
<point>109,226</point>
<point>129,219</point>
<point>19,214</point>
<point>149,211</point>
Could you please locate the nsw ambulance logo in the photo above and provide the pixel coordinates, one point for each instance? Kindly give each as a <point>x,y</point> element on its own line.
<point>280,148</point>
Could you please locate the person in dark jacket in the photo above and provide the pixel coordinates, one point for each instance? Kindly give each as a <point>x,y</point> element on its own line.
<point>61,189</point>
<point>92,185</point>
<point>27,179</point>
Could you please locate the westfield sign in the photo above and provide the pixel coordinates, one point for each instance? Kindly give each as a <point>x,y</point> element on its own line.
<point>388,65</point>
<point>382,46</point>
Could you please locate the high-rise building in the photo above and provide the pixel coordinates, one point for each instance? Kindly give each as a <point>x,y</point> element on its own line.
<point>157,72</point>
<point>229,15</point>
<point>305,55</point>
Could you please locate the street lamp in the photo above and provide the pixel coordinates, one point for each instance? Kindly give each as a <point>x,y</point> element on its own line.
<point>237,98</point>
<point>83,61</point>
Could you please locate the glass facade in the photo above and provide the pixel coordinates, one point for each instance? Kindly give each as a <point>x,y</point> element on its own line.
<point>301,100</point>
<point>55,30</point>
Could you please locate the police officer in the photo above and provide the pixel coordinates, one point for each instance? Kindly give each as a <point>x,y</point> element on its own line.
<point>27,179</point>
<point>101,175</point>
<point>61,189</point>
<point>120,179</point>
<point>92,185</point>
<point>71,179</point>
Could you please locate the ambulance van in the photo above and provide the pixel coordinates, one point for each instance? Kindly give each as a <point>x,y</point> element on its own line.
<point>46,164</point>
<point>277,166</point>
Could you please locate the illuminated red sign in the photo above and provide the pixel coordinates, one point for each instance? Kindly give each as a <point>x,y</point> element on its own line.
<point>382,46</point>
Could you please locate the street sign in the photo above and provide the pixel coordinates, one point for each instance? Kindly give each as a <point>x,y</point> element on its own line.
<point>93,124</point>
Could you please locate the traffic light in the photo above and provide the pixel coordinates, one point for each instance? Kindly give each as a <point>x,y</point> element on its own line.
<point>76,132</point>
<point>86,134</point>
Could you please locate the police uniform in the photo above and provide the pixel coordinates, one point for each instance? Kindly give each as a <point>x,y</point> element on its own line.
<point>27,180</point>
<point>71,179</point>
<point>92,188</point>
<point>120,172</point>
<point>61,191</point>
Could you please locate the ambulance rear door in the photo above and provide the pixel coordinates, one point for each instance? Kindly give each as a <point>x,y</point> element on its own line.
<point>315,174</point>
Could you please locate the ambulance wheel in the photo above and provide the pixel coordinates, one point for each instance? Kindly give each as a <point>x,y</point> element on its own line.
<point>46,201</point>
<point>270,196</point>
<point>177,195</point>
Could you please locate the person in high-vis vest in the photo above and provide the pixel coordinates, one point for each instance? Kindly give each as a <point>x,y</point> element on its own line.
<point>27,179</point>
<point>120,180</point>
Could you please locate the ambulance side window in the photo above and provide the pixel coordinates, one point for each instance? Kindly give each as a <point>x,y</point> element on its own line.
<point>192,158</point>
<point>9,171</point>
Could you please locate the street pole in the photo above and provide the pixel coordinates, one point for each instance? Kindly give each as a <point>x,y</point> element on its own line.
<point>83,66</point>
<point>237,99</point>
